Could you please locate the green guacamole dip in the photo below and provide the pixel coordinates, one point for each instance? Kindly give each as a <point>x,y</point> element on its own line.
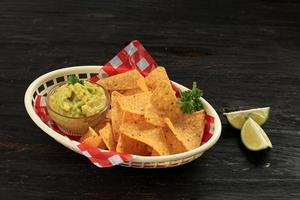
<point>78,100</point>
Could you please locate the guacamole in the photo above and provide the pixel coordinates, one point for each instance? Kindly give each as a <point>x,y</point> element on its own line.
<point>78,100</point>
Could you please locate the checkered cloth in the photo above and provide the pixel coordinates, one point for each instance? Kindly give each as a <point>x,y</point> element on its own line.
<point>133,56</point>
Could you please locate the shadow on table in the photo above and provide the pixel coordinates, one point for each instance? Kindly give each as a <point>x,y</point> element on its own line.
<point>258,158</point>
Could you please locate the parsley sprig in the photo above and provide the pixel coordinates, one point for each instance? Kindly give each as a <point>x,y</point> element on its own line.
<point>190,100</point>
<point>73,79</point>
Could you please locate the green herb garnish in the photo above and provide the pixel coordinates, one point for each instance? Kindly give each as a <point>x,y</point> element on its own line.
<point>190,100</point>
<point>73,79</point>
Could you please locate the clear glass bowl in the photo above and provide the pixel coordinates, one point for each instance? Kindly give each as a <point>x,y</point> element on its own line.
<point>77,126</point>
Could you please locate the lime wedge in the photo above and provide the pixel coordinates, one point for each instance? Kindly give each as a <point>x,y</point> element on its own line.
<point>254,137</point>
<point>238,118</point>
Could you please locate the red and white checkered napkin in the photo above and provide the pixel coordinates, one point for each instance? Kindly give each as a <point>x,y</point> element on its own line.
<point>133,56</point>
<point>100,158</point>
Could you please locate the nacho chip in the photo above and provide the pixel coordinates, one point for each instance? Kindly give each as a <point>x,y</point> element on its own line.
<point>130,117</point>
<point>124,81</point>
<point>142,84</point>
<point>157,75</point>
<point>136,119</point>
<point>153,137</point>
<point>99,126</point>
<point>142,87</point>
<point>93,139</point>
<point>154,116</point>
<point>188,129</point>
<point>128,145</point>
<point>163,96</point>
<point>135,103</point>
<point>116,115</point>
<point>107,137</point>
<point>108,114</point>
<point>175,145</point>
<point>162,104</point>
<point>130,91</point>
<point>154,153</point>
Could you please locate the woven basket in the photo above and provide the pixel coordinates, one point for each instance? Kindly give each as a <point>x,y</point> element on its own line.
<point>43,84</point>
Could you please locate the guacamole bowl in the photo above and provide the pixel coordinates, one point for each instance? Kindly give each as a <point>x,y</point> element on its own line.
<point>76,125</point>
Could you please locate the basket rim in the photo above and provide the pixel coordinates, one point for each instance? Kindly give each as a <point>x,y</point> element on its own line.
<point>136,158</point>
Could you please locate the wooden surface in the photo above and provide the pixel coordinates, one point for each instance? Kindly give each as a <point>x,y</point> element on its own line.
<point>243,54</point>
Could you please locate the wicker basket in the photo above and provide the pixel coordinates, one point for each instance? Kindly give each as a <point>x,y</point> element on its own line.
<point>43,84</point>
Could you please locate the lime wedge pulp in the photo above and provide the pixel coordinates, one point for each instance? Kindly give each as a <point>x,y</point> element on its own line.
<point>238,118</point>
<point>254,137</point>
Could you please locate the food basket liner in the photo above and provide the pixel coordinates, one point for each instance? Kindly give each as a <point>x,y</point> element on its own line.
<point>133,56</point>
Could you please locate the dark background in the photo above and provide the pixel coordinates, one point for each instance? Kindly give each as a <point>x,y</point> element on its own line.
<point>243,54</point>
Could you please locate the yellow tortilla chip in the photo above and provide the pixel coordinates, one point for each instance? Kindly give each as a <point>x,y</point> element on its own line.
<point>128,145</point>
<point>124,81</point>
<point>175,145</point>
<point>142,87</point>
<point>99,126</point>
<point>107,137</point>
<point>154,116</point>
<point>130,117</point>
<point>163,97</point>
<point>135,103</point>
<point>116,114</point>
<point>162,104</point>
<point>108,114</point>
<point>188,129</point>
<point>139,120</point>
<point>93,139</point>
<point>142,84</point>
<point>131,91</point>
<point>157,75</point>
<point>154,153</point>
<point>153,137</point>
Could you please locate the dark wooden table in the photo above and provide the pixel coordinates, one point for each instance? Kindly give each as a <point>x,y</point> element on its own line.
<point>243,54</point>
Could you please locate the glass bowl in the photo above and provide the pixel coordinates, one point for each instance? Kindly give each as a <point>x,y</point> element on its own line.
<point>77,126</point>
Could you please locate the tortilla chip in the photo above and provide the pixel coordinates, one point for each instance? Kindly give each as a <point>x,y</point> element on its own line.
<point>116,115</point>
<point>128,145</point>
<point>154,153</point>
<point>142,84</point>
<point>188,129</point>
<point>154,116</point>
<point>108,114</point>
<point>153,137</point>
<point>136,119</point>
<point>123,81</point>
<point>162,104</point>
<point>99,126</point>
<point>163,96</point>
<point>142,87</point>
<point>130,91</point>
<point>175,145</point>
<point>93,139</point>
<point>135,103</point>
<point>101,144</point>
<point>130,117</point>
<point>157,75</point>
<point>107,137</point>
